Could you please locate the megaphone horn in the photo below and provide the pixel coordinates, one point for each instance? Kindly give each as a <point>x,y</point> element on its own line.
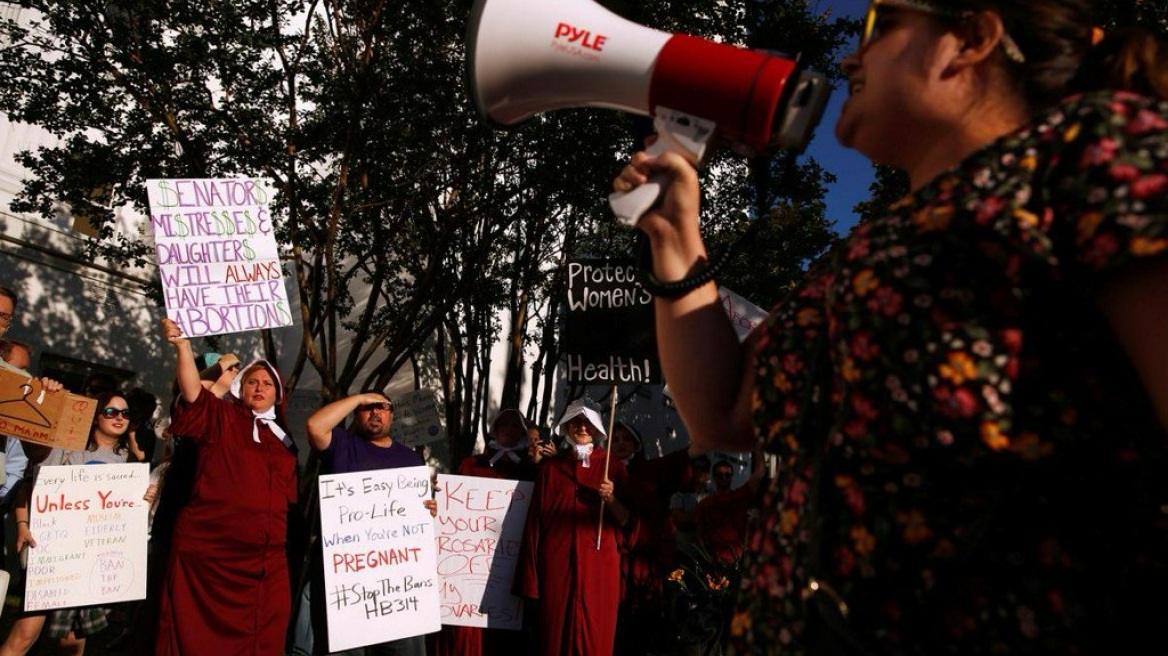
<point>525,57</point>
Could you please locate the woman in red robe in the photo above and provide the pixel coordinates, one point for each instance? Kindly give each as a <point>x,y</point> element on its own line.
<point>227,589</point>
<point>648,557</point>
<point>576,584</point>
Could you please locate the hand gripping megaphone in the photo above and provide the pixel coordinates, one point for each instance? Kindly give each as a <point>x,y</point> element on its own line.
<point>525,57</point>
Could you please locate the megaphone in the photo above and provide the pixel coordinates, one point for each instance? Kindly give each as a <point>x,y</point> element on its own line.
<point>525,57</point>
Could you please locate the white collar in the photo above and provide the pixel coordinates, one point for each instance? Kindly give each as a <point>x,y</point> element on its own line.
<point>268,417</point>
<point>512,452</point>
<point>583,453</point>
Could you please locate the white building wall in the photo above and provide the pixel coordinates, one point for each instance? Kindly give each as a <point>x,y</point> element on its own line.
<point>73,307</point>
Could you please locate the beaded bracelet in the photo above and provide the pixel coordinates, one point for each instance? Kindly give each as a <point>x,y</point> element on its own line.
<point>676,288</point>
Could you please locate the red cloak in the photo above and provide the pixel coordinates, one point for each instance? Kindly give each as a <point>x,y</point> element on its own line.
<point>226,589</point>
<point>577,585</point>
<point>723,522</point>
<point>650,554</point>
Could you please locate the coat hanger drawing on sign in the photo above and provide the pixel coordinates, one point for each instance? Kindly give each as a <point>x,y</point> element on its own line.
<point>27,389</point>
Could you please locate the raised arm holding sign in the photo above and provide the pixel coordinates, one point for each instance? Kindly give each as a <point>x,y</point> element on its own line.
<point>238,522</point>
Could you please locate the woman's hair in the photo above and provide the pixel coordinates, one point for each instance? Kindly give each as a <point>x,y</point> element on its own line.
<point>143,405</point>
<point>1056,37</point>
<point>10,295</point>
<point>1132,59</point>
<point>123,444</point>
<point>8,345</point>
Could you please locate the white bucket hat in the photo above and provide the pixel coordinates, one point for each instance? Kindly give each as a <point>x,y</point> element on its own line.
<point>583,407</point>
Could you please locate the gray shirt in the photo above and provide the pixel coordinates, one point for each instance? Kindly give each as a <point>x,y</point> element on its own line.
<point>101,456</point>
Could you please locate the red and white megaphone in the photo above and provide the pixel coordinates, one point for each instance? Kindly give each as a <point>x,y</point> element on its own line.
<point>530,56</point>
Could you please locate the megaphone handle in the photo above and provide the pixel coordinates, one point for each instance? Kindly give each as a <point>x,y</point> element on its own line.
<point>676,132</point>
<point>630,206</point>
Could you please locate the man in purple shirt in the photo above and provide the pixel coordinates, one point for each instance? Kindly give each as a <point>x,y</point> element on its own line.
<point>368,446</point>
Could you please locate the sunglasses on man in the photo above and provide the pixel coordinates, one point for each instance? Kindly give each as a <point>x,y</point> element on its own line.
<point>370,407</point>
<point>872,23</point>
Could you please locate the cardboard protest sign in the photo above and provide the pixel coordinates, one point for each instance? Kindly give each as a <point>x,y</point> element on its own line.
<point>609,335</point>
<point>89,522</point>
<point>380,573</point>
<point>479,531</point>
<point>217,255</point>
<point>30,413</point>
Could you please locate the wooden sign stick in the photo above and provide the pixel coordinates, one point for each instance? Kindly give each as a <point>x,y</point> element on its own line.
<point>607,457</point>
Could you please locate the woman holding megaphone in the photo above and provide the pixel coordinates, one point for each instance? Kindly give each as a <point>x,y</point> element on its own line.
<point>969,396</point>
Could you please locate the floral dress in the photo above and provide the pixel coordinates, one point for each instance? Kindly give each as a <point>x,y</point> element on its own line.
<point>969,464</point>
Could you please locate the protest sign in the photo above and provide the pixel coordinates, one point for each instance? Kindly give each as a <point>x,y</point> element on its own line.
<point>5,579</point>
<point>379,556</point>
<point>217,255</point>
<point>416,419</point>
<point>479,531</point>
<point>89,522</point>
<point>30,413</point>
<point>744,315</point>
<point>609,336</point>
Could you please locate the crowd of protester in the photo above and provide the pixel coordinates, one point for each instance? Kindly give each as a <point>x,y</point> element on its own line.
<point>223,539</point>
<point>967,399</point>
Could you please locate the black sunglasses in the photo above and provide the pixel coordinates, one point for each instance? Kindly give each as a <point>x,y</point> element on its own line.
<point>370,407</point>
<point>872,23</point>
<point>111,412</point>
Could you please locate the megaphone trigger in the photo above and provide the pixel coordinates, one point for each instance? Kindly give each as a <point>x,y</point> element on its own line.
<point>677,132</point>
<point>681,133</point>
